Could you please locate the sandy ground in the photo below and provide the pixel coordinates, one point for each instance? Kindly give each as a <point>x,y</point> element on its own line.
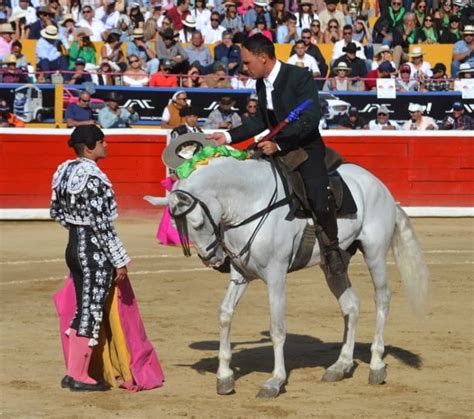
<point>430,362</point>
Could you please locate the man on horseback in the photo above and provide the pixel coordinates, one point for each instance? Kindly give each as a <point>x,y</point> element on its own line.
<point>280,88</point>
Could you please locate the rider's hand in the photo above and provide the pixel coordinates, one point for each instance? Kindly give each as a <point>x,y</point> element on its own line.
<point>218,137</point>
<point>121,274</point>
<point>268,147</point>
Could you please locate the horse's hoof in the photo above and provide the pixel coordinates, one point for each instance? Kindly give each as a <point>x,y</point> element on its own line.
<point>225,386</point>
<point>331,376</point>
<point>268,393</point>
<point>378,376</point>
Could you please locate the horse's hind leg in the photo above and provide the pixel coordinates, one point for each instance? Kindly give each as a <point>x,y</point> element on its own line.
<point>235,290</point>
<point>349,304</point>
<point>376,260</point>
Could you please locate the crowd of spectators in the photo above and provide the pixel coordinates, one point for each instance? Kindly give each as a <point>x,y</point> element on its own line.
<point>166,43</point>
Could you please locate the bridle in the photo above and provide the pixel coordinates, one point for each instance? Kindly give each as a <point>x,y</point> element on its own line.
<point>217,230</point>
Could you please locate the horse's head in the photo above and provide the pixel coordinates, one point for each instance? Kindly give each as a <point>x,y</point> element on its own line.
<point>199,223</point>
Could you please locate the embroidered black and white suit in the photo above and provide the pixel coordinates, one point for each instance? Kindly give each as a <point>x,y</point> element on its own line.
<point>83,201</point>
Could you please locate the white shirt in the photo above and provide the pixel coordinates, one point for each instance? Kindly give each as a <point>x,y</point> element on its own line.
<point>374,125</point>
<point>109,21</point>
<point>307,61</point>
<point>305,20</point>
<point>425,68</point>
<point>97,27</point>
<point>203,18</point>
<point>211,35</point>
<point>237,83</point>
<point>30,17</point>
<point>426,121</point>
<point>338,52</point>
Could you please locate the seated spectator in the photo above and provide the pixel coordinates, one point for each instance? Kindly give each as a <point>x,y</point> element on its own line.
<point>112,51</point>
<point>29,12</point>
<point>417,121</point>
<point>420,11</point>
<point>108,14</point>
<point>341,81</point>
<point>458,121</point>
<point>429,32</point>
<point>168,48</point>
<point>452,33</point>
<point>48,51</point>
<point>312,50</point>
<point>304,60</point>
<point>199,53</point>
<point>277,15</point>
<point>104,75</point>
<point>18,22</point>
<point>288,33</point>
<point>154,17</point>
<point>7,118</point>
<point>67,30</point>
<point>232,21</point>
<point>164,78</point>
<point>96,27</point>
<point>439,82</point>
<point>135,75</point>
<point>261,27</point>
<point>79,113</point>
<point>141,49</point>
<point>171,117</point>
<point>420,69</point>
<point>223,117</point>
<point>227,53</point>
<point>21,60</point>
<point>361,32</point>
<point>305,15</point>
<point>384,53</point>
<point>250,109</point>
<point>442,15</point>
<point>465,72</point>
<point>82,48</point>
<point>114,116</point>
<point>338,50</point>
<point>463,50</point>
<point>332,34</point>
<point>190,114</point>
<point>137,20</point>
<point>12,74</point>
<point>124,28</point>
<point>242,80</point>
<point>403,36</point>
<point>80,75</point>
<point>193,78</point>
<point>331,13</point>
<point>383,122</point>
<point>257,14</point>
<point>201,14</point>
<point>404,83</point>
<point>6,39</point>
<point>45,19</point>
<point>218,78</point>
<point>178,14</point>
<point>388,21</point>
<point>189,26</point>
<point>352,120</point>
<point>316,33</point>
<point>357,66</point>
<point>384,71</point>
<point>213,33</point>
<point>56,9</point>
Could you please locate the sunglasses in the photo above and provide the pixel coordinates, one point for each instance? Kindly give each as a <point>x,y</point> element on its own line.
<point>347,33</point>
<point>381,114</point>
<point>316,24</point>
<point>422,7</point>
<point>215,20</point>
<point>332,26</point>
<point>405,72</point>
<point>86,11</point>
<point>84,100</point>
<point>134,61</point>
<point>305,37</point>
<point>396,4</point>
<point>428,20</point>
<point>251,106</point>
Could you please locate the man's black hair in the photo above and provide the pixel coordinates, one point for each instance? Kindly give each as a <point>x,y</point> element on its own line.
<point>347,28</point>
<point>85,135</point>
<point>260,44</point>
<point>300,41</point>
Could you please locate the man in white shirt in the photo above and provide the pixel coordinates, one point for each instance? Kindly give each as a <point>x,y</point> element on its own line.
<point>301,59</point>
<point>89,21</point>
<point>346,38</point>
<point>108,15</point>
<point>417,121</point>
<point>382,122</point>
<point>331,12</point>
<point>213,33</point>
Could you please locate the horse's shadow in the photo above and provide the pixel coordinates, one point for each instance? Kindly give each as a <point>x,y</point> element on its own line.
<point>301,351</point>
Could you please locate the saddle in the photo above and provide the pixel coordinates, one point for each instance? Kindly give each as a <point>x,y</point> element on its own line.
<point>293,183</point>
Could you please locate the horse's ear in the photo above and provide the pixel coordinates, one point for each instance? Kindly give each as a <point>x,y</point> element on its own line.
<point>179,202</point>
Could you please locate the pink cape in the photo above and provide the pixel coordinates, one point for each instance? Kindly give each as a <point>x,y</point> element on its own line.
<point>166,233</point>
<point>144,364</point>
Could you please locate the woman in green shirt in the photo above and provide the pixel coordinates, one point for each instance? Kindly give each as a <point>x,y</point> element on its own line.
<point>82,48</point>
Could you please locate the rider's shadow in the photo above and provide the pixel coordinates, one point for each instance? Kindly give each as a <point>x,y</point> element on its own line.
<point>301,351</point>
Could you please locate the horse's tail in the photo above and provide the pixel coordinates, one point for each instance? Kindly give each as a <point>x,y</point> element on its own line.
<point>410,262</point>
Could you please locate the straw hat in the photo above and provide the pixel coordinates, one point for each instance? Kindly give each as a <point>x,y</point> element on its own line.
<point>416,107</point>
<point>183,148</point>
<point>468,30</point>
<point>342,66</point>
<point>310,2</point>
<point>6,28</point>
<point>138,33</point>
<point>67,17</point>
<point>18,15</point>
<point>50,32</point>
<point>382,49</point>
<point>465,68</point>
<point>260,3</point>
<point>10,59</point>
<point>416,52</point>
<point>190,22</point>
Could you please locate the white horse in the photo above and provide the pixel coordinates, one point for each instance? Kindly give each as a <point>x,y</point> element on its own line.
<point>216,198</point>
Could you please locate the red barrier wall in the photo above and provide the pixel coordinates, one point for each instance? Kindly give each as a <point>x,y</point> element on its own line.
<point>431,169</point>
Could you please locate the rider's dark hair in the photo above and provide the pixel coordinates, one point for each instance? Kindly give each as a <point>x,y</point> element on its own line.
<point>85,135</point>
<point>260,44</point>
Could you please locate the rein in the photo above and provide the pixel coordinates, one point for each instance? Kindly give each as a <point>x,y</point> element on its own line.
<point>262,214</point>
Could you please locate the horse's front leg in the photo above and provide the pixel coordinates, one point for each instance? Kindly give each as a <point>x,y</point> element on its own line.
<point>235,290</point>
<point>277,297</point>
